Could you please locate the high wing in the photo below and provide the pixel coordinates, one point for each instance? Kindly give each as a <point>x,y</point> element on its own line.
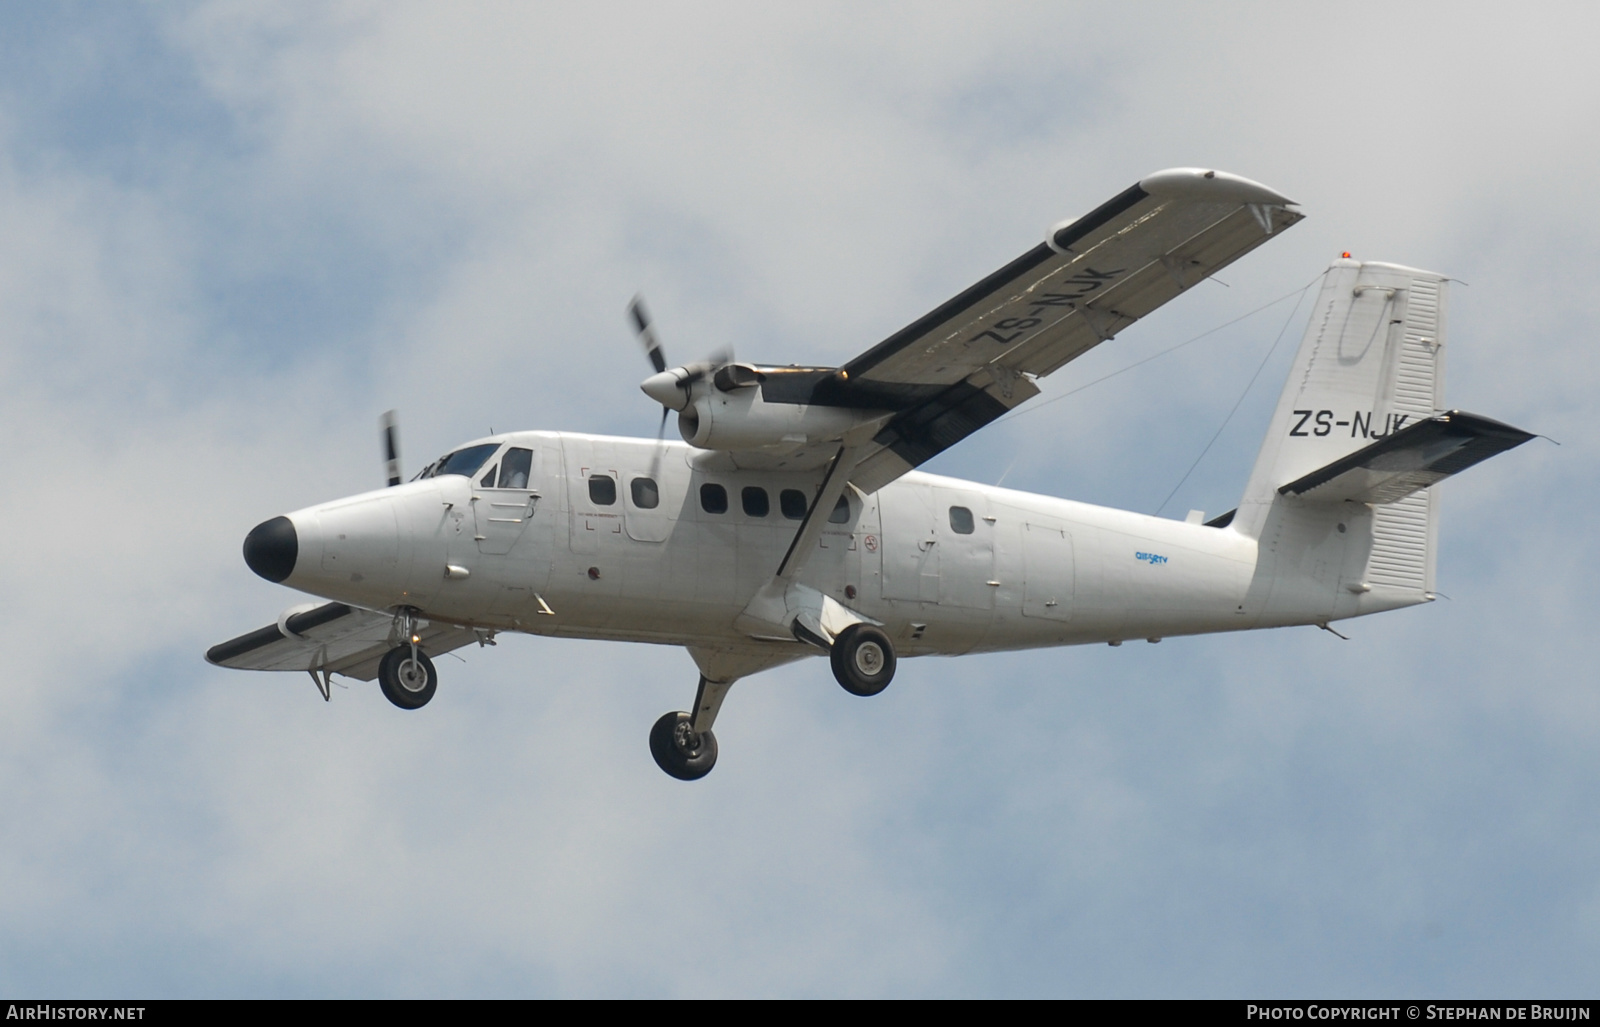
<point>974,358</point>
<point>331,638</point>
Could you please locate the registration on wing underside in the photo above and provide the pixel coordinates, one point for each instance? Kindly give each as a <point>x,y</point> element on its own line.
<point>1048,307</point>
<point>977,353</point>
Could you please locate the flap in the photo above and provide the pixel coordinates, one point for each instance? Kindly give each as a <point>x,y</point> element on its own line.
<point>343,639</point>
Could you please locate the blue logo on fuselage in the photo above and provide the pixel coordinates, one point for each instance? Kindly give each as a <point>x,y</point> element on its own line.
<point>1150,558</point>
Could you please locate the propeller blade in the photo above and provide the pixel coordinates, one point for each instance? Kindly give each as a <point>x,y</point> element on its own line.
<point>647,335</point>
<point>661,443</point>
<point>389,429</point>
<point>709,366</point>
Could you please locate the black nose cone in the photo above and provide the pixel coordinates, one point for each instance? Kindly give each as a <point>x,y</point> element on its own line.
<point>271,548</point>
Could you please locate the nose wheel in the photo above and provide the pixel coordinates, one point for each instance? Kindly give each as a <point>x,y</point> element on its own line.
<point>680,750</point>
<point>407,677</point>
<point>863,659</point>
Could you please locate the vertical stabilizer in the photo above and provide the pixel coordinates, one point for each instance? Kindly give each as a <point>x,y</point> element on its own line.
<point>1371,363</point>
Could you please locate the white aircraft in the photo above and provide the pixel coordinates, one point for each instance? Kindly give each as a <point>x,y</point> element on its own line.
<point>791,521</point>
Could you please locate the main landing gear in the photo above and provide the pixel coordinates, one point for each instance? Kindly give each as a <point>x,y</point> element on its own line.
<point>407,677</point>
<point>682,743</point>
<point>863,659</point>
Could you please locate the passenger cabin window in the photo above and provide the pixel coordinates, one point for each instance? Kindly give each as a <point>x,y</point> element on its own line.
<point>960,520</point>
<point>602,489</point>
<point>841,512</point>
<point>755,501</point>
<point>516,469</point>
<point>793,504</point>
<point>713,498</point>
<point>646,496</point>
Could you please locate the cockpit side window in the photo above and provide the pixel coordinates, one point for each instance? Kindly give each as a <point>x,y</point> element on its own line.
<point>464,461</point>
<point>516,469</point>
<point>487,481</point>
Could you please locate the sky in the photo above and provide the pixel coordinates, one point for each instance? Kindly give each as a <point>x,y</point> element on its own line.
<point>232,234</point>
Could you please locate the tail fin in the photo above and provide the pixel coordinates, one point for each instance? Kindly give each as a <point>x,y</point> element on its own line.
<point>1371,363</point>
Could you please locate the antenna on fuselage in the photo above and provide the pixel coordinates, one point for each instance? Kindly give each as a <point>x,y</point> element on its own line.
<point>389,433</point>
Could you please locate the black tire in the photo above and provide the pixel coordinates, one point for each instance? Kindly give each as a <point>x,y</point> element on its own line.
<point>678,751</point>
<point>401,681</point>
<point>863,660</point>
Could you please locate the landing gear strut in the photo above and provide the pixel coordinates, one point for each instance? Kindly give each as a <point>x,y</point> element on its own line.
<point>682,743</point>
<point>407,677</point>
<point>863,659</point>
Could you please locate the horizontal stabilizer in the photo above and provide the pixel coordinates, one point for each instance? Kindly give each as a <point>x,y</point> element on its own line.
<point>333,637</point>
<point>1409,460</point>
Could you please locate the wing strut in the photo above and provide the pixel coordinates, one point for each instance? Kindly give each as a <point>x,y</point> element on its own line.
<point>784,608</point>
<point>827,496</point>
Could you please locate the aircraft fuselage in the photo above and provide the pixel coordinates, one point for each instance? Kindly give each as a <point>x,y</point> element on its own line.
<point>947,566</point>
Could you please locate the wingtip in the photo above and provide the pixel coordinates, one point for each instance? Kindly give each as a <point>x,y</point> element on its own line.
<point>1210,182</point>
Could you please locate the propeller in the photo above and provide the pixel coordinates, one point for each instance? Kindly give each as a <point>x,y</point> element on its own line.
<point>642,326</point>
<point>670,388</point>
<point>647,335</point>
<point>389,431</point>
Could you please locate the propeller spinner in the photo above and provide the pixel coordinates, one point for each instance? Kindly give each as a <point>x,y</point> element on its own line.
<point>674,388</point>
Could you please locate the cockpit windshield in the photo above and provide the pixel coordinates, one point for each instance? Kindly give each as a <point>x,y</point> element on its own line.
<point>462,461</point>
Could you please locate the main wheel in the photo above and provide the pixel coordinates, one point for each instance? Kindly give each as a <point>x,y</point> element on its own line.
<point>407,683</point>
<point>863,659</point>
<point>679,751</point>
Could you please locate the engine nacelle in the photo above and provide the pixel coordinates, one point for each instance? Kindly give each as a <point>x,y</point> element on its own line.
<point>742,419</point>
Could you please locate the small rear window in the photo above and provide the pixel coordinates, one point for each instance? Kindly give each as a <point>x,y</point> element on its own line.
<point>841,512</point>
<point>713,498</point>
<point>960,520</point>
<point>602,489</point>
